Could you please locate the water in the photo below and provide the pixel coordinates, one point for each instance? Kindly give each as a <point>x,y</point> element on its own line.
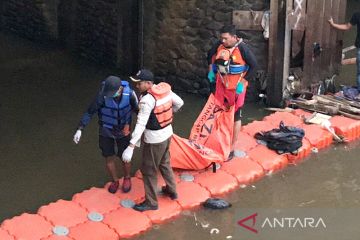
<point>43,93</point>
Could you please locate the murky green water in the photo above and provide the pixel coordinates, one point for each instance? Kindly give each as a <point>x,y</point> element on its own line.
<point>43,93</point>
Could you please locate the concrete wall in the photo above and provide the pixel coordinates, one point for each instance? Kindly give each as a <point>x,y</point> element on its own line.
<point>176,33</point>
<point>96,30</point>
<point>31,19</point>
<point>179,33</point>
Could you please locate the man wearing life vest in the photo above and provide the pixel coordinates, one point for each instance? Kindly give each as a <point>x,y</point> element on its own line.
<point>114,104</point>
<point>156,107</point>
<point>231,62</point>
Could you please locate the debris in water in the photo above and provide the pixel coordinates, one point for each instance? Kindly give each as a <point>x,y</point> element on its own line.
<point>306,203</point>
<point>315,150</point>
<point>186,213</point>
<point>214,231</point>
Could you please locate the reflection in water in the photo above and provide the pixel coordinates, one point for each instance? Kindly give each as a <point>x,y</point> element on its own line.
<point>44,91</point>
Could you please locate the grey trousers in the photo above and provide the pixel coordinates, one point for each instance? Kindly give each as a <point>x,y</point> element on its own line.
<point>156,157</point>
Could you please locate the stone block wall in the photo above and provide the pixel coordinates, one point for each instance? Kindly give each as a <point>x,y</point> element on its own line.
<point>31,19</point>
<point>176,33</point>
<point>96,30</point>
<point>179,33</point>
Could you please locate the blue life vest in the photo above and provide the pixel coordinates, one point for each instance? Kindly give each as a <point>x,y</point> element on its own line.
<point>117,115</point>
<point>237,68</point>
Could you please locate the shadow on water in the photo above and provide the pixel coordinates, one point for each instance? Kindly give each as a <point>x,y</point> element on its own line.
<point>43,93</point>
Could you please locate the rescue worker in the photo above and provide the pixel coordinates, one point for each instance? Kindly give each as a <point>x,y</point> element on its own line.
<point>114,104</point>
<point>156,107</point>
<point>355,20</point>
<point>231,62</point>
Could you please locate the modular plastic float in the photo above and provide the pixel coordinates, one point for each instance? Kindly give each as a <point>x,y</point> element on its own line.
<point>95,214</point>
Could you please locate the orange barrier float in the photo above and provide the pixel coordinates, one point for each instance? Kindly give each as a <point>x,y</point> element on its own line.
<point>317,136</point>
<point>167,209</point>
<point>161,181</point>
<point>256,126</point>
<point>127,222</point>
<point>216,183</point>
<point>4,235</point>
<point>347,127</point>
<point>180,173</point>
<point>191,194</point>
<point>54,237</point>
<point>289,119</point>
<point>93,231</point>
<point>303,152</point>
<point>28,226</point>
<point>97,200</point>
<point>268,159</point>
<point>63,213</point>
<point>245,142</point>
<point>96,214</point>
<point>244,170</point>
<point>137,192</point>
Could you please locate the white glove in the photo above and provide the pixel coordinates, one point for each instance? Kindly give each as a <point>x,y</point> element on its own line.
<point>77,136</point>
<point>127,154</point>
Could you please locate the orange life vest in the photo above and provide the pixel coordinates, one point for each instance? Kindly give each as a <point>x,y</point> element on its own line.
<point>233,67</point>
<point>162,115</point>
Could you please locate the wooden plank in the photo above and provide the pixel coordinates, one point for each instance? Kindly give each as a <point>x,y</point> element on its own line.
<point>326,54</point>
<point>296,42</point>
<point>311,20</point>
<point>248,20</point>
<point>298,27</point>
<point>298,17</point>
<point>275,80</point>
<point>272,35</point>
<point>340,37</point>
<point>287,42</point>
<point>317,38</point>
<point>333,34</point>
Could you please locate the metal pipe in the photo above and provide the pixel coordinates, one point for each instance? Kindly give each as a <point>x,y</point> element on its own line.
<point>141,33</point>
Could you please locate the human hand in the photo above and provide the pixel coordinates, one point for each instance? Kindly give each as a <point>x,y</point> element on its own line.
<point>211,76</point>
<point>331,21</point>
<point>127,154</point>
<point>77,136</point>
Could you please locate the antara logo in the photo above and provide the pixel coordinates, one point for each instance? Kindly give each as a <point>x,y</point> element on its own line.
<point>283,222</point>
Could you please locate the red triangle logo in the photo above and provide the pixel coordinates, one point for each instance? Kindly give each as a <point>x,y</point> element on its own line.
<point>244,220</point>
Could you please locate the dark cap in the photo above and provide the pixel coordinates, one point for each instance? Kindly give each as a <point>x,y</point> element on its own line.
<point>143,75</point>
<point>112,85</point>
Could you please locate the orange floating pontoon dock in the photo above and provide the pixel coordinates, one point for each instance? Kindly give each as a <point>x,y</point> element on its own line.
<point>95,214</point>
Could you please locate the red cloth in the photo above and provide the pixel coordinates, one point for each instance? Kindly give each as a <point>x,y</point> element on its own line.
<point>221,93</point>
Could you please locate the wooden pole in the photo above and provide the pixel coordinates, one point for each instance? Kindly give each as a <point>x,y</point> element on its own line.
<point>289,10</point>
<point>272,35</point>
<point>276,52</point>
